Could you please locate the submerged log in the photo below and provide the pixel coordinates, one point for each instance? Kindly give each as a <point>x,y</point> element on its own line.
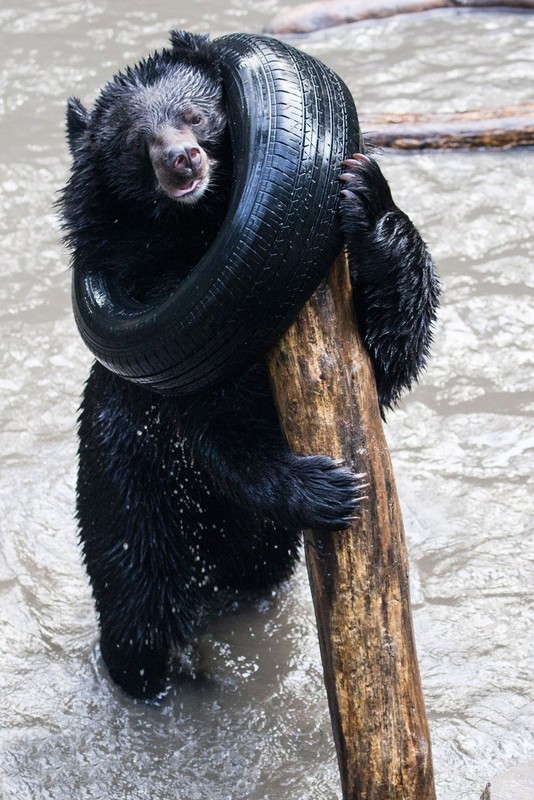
<point>326,395</point>
<point>315,16</point>
<point>512,126</point>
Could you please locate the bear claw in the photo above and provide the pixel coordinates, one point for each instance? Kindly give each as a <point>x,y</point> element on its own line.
<point>366,196</point>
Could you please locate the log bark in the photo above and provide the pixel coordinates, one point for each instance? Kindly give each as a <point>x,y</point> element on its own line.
<point>505,128</point>
<point>321,14</point>
<point>325,391</point>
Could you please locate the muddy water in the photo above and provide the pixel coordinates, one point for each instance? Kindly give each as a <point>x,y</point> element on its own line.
<point>256,725</point>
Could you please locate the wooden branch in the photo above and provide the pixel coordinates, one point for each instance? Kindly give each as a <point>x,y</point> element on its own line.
<point>512,126</point>
<point>321,14</point>
<point>325,391</point>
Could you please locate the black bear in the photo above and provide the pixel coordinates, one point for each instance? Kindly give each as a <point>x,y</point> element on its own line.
<point>185,501</point>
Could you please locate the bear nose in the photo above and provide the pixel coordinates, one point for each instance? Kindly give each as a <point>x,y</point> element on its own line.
<point>184,158</point>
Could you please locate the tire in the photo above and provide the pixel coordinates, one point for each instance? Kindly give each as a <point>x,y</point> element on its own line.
<point>292,122</point>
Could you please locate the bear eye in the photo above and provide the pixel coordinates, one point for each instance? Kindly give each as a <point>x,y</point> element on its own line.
<point>193,117</point>
<point>135,143</point>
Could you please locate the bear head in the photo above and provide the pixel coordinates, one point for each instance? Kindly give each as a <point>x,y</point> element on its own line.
<point>157,128</point>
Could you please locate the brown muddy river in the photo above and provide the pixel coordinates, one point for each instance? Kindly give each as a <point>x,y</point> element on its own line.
<point>256,726</point>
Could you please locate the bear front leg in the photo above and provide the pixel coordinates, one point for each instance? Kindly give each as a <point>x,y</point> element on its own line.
<point>395,287</point>
<point>252,466</point>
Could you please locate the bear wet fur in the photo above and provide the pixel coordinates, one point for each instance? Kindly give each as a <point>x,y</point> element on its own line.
<point>184,502</point>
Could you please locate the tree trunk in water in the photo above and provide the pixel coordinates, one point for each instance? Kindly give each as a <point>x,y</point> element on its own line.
<point>503,127</point>
<point>326,395</point>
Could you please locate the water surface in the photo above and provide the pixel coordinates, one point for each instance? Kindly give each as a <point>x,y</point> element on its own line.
<point>256,726</point>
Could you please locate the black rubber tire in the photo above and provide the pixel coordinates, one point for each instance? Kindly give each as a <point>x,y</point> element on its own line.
<point>292,123</point>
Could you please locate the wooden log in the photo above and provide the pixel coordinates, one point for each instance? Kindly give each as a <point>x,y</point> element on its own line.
<point>326,395</point>
<point>522,110</point>
<point>508,127</point>
<point>321,14</point>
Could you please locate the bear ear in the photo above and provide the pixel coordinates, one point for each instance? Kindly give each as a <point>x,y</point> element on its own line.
<point>194,48</point>
<point>183,40</point>
<point>77,122</point>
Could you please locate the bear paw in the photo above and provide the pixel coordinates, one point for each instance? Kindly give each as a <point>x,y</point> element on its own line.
<point>140,672</point>
<point>366,196</point>
<point>325,494</point>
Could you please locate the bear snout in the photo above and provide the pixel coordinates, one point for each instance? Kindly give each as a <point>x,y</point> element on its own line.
<point>184,159</point>
<point>180,164</point>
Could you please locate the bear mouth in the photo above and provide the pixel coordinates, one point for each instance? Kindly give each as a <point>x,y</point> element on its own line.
<point>184,189</point>
<point>187,190</point>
